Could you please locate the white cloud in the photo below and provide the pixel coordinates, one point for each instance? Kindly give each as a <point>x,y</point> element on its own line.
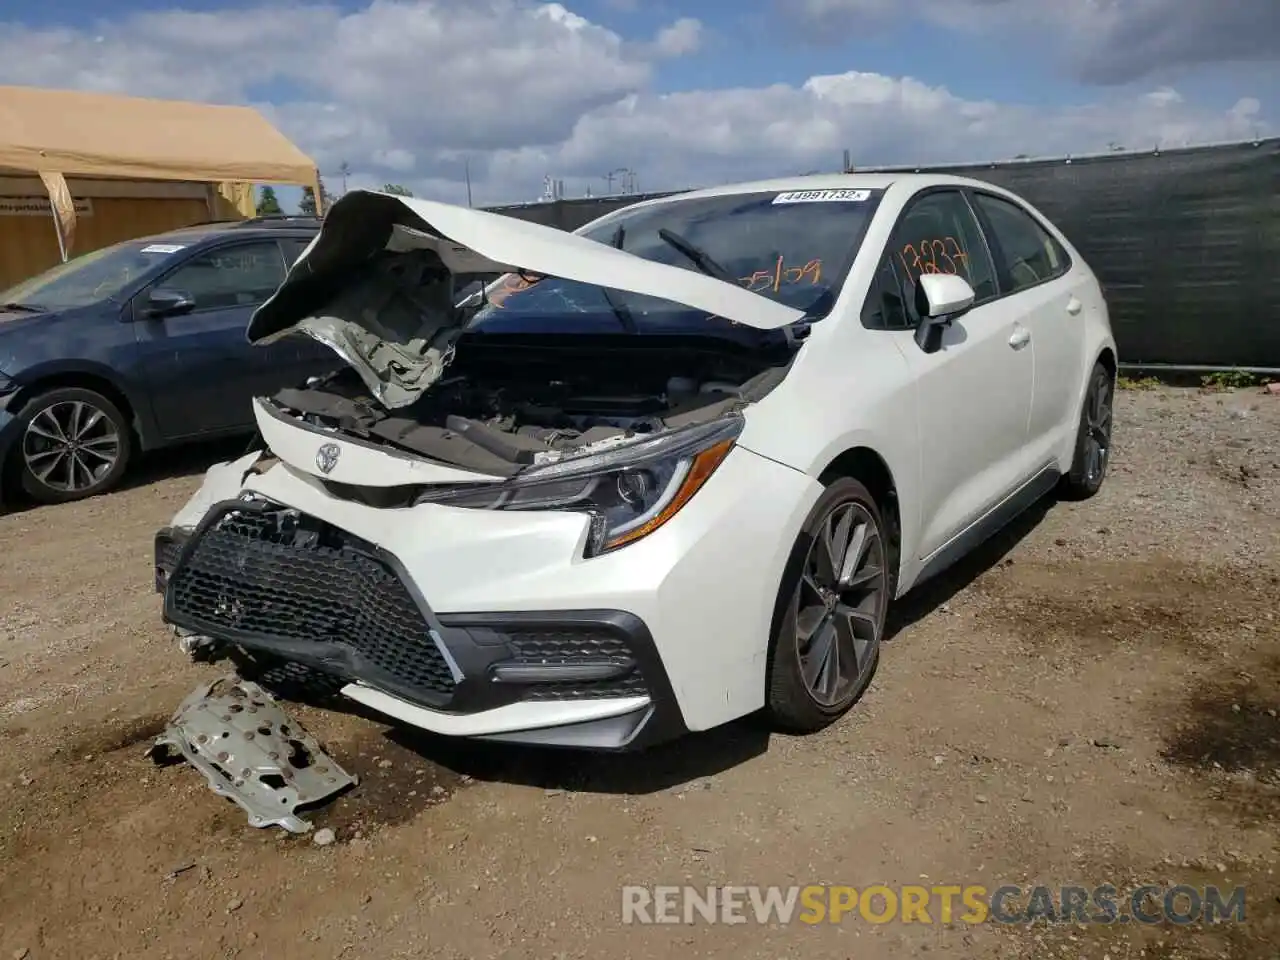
<point>409,91</point>
<point>680,39</point>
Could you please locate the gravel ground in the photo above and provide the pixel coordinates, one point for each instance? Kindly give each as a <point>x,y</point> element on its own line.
<point>1091,699</point>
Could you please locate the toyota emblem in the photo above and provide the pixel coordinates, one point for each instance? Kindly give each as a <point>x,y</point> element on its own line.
<point>327,457</point>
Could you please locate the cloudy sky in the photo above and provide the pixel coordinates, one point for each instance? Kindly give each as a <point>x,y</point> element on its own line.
<point>682,92</point>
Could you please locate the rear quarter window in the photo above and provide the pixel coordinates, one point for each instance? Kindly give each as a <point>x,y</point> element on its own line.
<point>1026,254</point>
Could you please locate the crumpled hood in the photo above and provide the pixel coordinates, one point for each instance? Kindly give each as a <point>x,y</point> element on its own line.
<point>376,284</point>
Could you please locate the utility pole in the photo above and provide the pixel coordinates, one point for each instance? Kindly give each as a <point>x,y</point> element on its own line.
<point>343,169</point>
<point>466,167</point>
<point>614,175</point>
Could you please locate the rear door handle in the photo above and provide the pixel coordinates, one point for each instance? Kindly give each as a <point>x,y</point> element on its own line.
<point>1074,306</point>
<point>1020,338</point>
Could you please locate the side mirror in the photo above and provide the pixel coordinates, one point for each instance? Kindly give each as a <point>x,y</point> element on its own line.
<point>940,298</point>
<point>169,303</point>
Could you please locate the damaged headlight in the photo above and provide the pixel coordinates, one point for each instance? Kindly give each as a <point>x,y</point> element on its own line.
<point>630,490</point>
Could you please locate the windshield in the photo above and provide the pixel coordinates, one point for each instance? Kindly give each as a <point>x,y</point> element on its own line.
<point>795,248</point>
<point>91,277</point>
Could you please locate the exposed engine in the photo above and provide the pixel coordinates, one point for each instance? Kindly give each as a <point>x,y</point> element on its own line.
<point>502,410</point>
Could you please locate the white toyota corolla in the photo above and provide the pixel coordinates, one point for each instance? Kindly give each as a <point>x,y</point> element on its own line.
<point>665,472</point>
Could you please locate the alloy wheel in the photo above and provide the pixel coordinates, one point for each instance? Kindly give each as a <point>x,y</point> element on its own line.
<point>69,446</point>
<point>1097,441</point>
<point>840,603</point>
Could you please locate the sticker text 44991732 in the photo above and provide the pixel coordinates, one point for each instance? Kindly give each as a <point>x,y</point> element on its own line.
<point>823,196</point>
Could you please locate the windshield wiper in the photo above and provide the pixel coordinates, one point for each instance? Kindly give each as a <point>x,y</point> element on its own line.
<point>621,311</point>
<point>24,307</point>
<point>697,256</point>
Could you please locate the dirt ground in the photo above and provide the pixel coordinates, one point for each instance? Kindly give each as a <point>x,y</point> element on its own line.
<point>1092,699</point>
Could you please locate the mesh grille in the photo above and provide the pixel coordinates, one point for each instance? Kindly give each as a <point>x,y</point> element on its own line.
<point>275,575</point>
<point>167,551</point>
<point>569,646</point>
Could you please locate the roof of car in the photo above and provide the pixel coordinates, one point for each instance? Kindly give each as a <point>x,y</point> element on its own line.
<point>285,224</point>
<point>823,181</point>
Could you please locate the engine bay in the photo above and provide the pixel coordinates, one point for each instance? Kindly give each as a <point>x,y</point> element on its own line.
<point>508,403</point>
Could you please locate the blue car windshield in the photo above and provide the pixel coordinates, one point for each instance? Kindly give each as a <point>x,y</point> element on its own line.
<point>90,277</point>
<point>795,248</point>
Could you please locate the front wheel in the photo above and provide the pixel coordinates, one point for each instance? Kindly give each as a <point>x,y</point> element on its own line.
<point>831,611</point>
<point>1093,437</point>
<point>75,443</point>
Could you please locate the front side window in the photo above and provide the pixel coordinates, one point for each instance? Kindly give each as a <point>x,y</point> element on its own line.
<point>242,275</point>
<point>937,234</point>
<point>1027,254</point>
<point>791,247</point>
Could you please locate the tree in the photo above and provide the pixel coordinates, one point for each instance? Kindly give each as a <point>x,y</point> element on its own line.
<point>399,191</point>
<point>268,203</point>
<point>307,205</point>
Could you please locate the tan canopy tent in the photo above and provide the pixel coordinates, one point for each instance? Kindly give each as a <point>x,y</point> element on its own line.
<point>60,133</point>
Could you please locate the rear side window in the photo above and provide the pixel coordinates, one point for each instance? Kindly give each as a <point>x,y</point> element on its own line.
<point>294,248</point>
<point>1026,255</point>
<point>936,234</point>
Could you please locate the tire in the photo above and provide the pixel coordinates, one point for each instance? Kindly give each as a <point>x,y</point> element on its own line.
<point>92,462</point>
<point>1093,438</point>
<point>797,700</point>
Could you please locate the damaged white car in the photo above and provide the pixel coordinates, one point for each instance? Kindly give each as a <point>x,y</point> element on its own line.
<point>665,472</point>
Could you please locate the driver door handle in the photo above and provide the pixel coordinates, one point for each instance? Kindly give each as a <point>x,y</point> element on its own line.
<point>1020,337</point>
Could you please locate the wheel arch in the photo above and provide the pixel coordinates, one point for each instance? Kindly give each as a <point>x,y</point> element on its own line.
<point>868,467</point>
<point>100,380</point>
<point>1107,357</point>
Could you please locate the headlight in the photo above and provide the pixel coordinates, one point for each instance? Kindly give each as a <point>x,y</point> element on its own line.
<point>630,490</point>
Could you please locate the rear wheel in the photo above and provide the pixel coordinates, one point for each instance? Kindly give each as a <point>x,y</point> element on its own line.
<point>75,443</point>
<point>831,610</point>
<point>1093,437</point>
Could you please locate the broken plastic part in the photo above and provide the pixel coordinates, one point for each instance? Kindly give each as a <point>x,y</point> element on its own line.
<point>251,752</point>
<point>196,646</point>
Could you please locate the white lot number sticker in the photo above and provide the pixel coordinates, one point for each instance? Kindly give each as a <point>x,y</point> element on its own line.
<point>163,248</point>
<point>823,196</point>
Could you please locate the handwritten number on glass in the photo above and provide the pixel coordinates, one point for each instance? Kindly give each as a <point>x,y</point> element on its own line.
<point>937,255</point>
<point>780,273</point>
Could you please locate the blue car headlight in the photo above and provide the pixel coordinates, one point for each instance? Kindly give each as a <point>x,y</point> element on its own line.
<point>629,490</point>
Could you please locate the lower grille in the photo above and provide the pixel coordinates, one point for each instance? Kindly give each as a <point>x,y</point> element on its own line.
<point>263,575</point>
<point>568,645</point>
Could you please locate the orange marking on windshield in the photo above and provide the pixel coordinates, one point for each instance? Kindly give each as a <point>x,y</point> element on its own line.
<point>782,274</point>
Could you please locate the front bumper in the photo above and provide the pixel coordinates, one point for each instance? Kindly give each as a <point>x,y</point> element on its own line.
<point>522,639</point>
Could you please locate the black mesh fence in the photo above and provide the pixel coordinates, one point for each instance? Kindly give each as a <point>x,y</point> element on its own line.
<point>1185,242</point>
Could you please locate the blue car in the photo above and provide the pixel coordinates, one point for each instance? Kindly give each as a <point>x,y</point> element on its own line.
<point>140,346</point>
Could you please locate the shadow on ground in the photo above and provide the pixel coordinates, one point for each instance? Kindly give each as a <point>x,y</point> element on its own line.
<point>933,593</point>
<point>188,460</point>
